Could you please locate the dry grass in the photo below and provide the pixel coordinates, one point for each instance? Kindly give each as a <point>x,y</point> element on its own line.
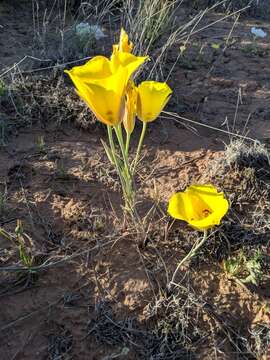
<point>44,99</point>
<point>257,8</point>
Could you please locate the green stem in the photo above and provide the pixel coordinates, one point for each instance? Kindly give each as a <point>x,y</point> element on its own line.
<point>127,143</point>
<point>110,136</point>
<point>139,146</point>
<point>190,255</point>
<point>128,178</point>
<point>123,172</point>
<point>118,131</point>
<point>114,155</point>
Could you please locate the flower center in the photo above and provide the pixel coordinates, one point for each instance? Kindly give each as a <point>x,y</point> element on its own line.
<point>204,213</point>
<point>109,116</point>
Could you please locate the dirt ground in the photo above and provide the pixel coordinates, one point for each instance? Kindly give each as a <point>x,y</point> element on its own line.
<point>97,290</point>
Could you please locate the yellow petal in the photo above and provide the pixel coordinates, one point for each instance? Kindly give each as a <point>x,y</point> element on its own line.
<point>206,194</point>
<point>97,68</point>
<point>180,207</point>
<point>126,60</point>
<point>152,98</point>
<point>124,44</point>
<point>202,206</point>
<point>105,98</point>
<point>206,223</point>
<point>130,107</point>
<point>215,202</point>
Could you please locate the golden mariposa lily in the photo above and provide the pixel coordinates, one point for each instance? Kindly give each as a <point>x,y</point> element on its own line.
<point>201,206</point>
<point>152,98</point>
<point>130,107</point>
<point>102,82</point>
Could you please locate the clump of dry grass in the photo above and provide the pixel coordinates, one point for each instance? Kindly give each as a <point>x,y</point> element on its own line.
<point>45,99</point>
<point>176,324</point>
<point>60,343</point>
<point>148,20</point>
<point>154,27</point>
<point>169,334</point>
<point>107,329</point>
<point>260,340</point>
<point>248,155</point>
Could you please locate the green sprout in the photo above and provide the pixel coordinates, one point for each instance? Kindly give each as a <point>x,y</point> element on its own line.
<point>60,169</point>
<point>25,255</point>
<point>215,46</point>
<point>246,270</point>
<point>41,145</point>
<point>2,88</point>
<point>3,201</point>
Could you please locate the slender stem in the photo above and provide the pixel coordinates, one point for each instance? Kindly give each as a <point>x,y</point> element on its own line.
<point>139,146</point>
<point>124,170</point>
<point>118,131</point>
<point>127,175</point>
<point>114,155</point>
<point>110,136</point>
<point>192,252</point>
<point>127,143</point>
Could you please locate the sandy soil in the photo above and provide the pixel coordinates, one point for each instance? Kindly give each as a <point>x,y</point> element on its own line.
<point>69,201</point>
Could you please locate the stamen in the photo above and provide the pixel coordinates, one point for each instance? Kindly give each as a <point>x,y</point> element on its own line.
<point>206,212</point>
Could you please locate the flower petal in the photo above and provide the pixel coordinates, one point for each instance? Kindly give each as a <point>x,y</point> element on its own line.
<point>180,207</point>
<point>105,98</point>
<point>152,98</point>
<point>209,195</point>
<point>206,223</point>
<point>124,44</point>
<point>126,60</point>
<point>130,107</point>
<point>97,68</point>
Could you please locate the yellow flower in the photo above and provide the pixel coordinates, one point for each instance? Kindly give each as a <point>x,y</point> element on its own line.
<point>102,82</point>
<point>201,206</point>
<point>152,98</point>
<point>130,108</point>
<point>124,44</point>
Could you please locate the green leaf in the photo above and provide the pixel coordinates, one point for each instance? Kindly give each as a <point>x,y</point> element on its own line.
<point>215,46</point>
<point>108,152</point>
